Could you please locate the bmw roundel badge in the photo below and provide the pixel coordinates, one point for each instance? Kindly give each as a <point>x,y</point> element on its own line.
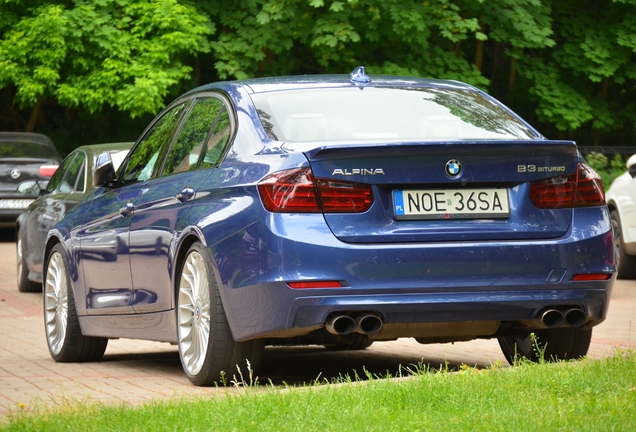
<point>453,167</point>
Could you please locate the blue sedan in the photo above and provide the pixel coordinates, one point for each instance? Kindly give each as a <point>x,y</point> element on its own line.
<point>335,210</point>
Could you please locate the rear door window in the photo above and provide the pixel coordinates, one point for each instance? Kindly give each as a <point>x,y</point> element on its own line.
<point>196,136</point>
<point>218,140</point>
<point>149,152</point>
<point>70,181</point>
<point>56,180</point>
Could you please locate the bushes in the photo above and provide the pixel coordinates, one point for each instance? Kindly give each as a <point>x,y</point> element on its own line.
<point>608,170</point>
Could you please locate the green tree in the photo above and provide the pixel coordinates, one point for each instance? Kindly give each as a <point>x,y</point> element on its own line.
<point>124,54</point>
<point>567,66</point>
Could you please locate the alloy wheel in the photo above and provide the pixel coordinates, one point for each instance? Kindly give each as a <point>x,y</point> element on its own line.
<point>19,258</point>
<point>193,314</point>
<point>56,303</point>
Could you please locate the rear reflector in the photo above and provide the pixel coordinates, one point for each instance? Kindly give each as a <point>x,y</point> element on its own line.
<point>47,170</point>
<point>314,284</point>
<point>297,191</point>
<point>581,189</point>
<point>591,277</point>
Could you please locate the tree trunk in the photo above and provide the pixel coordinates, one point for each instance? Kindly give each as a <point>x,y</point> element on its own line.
<point>479,49</point>
<point>495,61</point>
<point>605,89</point>
<point>513,74</point>
<point>197,70</point>
<point>597,137</point>
<point>35,113</point>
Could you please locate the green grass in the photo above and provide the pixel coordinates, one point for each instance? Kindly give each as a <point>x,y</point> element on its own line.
<point>579,396</point>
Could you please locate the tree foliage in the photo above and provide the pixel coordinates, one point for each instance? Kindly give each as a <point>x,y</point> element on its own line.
<point>122,53</point>
<point>568,66</point>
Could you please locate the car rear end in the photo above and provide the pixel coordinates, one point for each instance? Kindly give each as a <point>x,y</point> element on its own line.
<point>24,158</point>
<point>421,210</point>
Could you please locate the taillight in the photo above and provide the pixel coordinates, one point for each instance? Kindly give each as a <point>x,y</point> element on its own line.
<point>297,191</point>
<point>344,197</point>
<point>581,189</point>
<point>589,188</point>
<point>47,170</point>
<point>291,191</point>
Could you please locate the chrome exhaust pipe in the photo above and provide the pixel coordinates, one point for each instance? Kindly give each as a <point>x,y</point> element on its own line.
<point>552,318</point>
<point>575,317</point>
<point>340,325</point>
<point>368,324</point>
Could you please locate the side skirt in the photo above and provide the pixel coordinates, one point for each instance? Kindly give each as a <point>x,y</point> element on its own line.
<point>158,326</point>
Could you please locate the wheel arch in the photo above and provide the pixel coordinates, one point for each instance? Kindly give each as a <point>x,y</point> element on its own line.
<point>612,206</point>
<point>52,240</point>
<point>188,238</point>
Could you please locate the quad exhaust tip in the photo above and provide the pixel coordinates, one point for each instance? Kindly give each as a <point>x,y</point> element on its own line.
<point>575,317</point>
<point>340,325</point>
<point>553,318</point>
<point>368,324</point>
<point>345,324</point>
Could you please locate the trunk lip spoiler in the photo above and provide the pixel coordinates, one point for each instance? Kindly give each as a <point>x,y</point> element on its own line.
<point>347,150</point>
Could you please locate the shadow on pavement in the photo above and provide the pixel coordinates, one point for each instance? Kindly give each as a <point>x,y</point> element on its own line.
<point>296,366</point>
<point>7,235</point>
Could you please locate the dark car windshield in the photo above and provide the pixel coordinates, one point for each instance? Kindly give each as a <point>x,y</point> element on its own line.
<point>27,150</point>
<point>380,113</point>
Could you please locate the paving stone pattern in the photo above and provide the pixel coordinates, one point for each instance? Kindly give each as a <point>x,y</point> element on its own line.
<point>134,372</point>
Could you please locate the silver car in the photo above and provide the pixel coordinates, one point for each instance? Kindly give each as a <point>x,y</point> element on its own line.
<point>70,185</point>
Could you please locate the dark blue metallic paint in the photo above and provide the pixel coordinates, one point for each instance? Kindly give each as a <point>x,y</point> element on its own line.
<point>453,271</point>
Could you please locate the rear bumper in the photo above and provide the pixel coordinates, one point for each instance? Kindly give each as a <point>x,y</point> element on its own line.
<point>408,283</point>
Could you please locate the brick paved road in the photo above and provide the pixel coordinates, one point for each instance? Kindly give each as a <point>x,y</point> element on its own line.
<point>138,371</point>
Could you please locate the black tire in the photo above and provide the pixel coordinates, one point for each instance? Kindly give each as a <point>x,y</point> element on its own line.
<point>354,342</point>
<point>22,271</point>
<point>63,333</point>
<point>559,344</point>
<point>625,263</point>
<point>217,359</point>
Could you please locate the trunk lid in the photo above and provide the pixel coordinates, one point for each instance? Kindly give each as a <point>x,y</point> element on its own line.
<point>421,169</point>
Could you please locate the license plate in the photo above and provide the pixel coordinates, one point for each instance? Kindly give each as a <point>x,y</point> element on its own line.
<point>15,203</point>
<point>451,204</point>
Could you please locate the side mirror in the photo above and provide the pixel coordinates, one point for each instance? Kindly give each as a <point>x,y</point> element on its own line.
<point>30,188</point>
<point>104,170</point>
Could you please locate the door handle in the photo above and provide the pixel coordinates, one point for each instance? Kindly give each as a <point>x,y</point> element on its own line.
<point>185,194</point>
<point>127,209</point>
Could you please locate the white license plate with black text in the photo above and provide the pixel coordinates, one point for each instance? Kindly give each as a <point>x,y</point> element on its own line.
<point>485,203</point>
<point>15,203</point>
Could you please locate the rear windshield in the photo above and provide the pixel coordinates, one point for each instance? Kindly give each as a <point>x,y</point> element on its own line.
<point>27,150</point>
<point>379,113</point>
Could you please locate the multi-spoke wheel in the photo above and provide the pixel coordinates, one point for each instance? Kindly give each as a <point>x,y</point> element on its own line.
<point>552,344</point>
<point>63,334</point>
<point>206,346</point>
<point>24,284</point>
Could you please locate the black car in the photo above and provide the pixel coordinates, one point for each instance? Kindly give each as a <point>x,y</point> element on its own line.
<point>71,185</point>
<point>24,157</point>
